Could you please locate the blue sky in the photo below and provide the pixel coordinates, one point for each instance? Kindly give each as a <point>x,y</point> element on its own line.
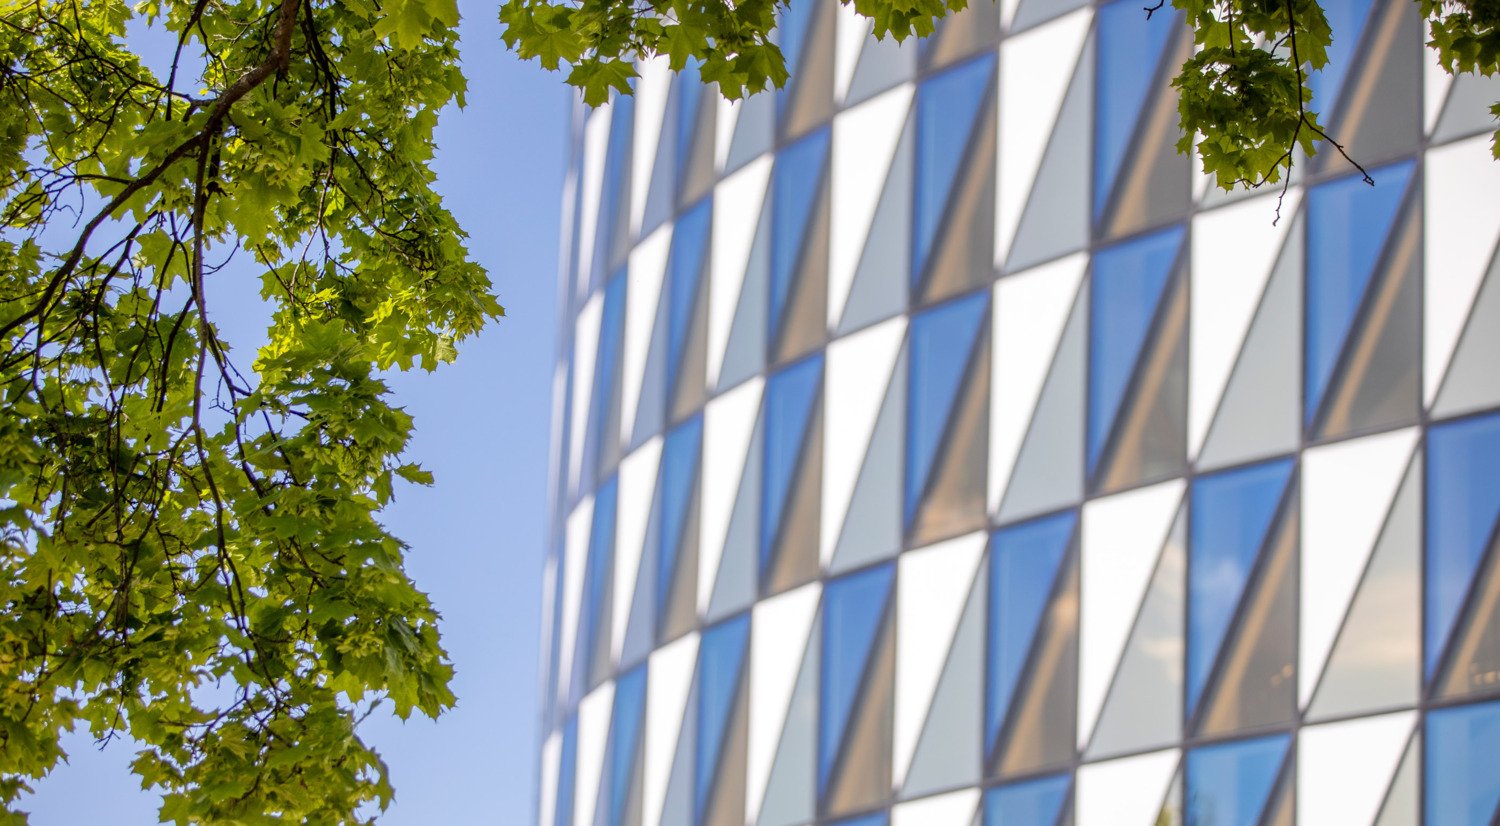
<point>483,427</point>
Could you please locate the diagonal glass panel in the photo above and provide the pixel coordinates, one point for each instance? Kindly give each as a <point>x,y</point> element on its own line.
<point>1462,746</point>
<point>616,178</point>
<point>790,397</point>
<point>1231,515</point>
<point>596,580</point>
<point>607,365</point>
<point>1463,504</point>
<point>721,658</point>
<point>689,92</point>
<point>791,36</point>
<point>853,610</point>
<point>1036,802</point>
<point>567,775</point>
<point>1347,19</point>
<point>948,107</point>
<point>679,479</point>
<point>625,735</point>
<point>876,819</point>
<point>942,342</point>
<point>1129,48</point>
<point>1024,561</point>
<point>684,272</point>
<point>795,184</point>
<point>1347,223</point>
<point>1229,784</point>
<point>1127,285</point>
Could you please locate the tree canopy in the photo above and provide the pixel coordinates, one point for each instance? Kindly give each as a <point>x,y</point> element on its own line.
<point>190,548</point>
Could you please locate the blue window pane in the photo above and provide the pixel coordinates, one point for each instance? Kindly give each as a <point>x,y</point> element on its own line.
<point>596,576</point>
<point>616,167</point>
<point>948,106</point>
<point>790,396</point>
<point>852,610</point>
<point>1347,224</point>
<point>1229,784</point>
<point>1463,503</point>
<point>1024,561</point>
<point>1127,287</point>
<point>1462,748</point>
<point>791,36</point>
<point>689,245</point>
<point>877,819</point>
<point>607,372</point>
<point>689,91</point>
<point>942,343</point>
<point>794,191</point>
<point>679,477</point>
<point>1032,803</point>
<point>1347,19</point>
<point>625,720</point>
<point>567,774</point>
<point>1130,48</point>
<point>721,658</point>
<point>1231,515</point>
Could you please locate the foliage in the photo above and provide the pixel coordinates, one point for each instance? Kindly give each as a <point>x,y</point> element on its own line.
<point>189,551</point>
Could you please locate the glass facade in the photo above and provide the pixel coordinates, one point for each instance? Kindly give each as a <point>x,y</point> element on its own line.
<point>936,446</point>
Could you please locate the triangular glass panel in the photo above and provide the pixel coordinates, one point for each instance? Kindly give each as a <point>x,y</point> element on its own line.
<point>1229,784</point>
<point>1472,382</point>
<point>1462,746</point>
<point>1400,807</point>
<point>745,354</point>
<point>1055,219</point>
<point>754,130</point>
<point>610,234</point>
<point>793,33</point>
<point>1347,19</point>
<point>959,35</point>
<point>1041,734</point>
<point>948,107</point>
<point>872,526</point>
<point>948,753</point>
<point>1048,471</point>
<point>795,187</point>
<point>791,396</point>
<point>567,775</point>
<point>879,290</point>
<point>1374,662</point>
<point>1463,504</point>
<point>1144,706</point>
<point>593,633</point>
<point>604,405</point>
<point>1467,109</point>
<point>1343,217</point>
<point>1381,115</point>
<point>876,819</point>
<point>679,483</point>
<point>1034,12</point>
<point>721,657</point>
<point>1129,48</point>
<point>689,89</point>
<point>942,345</point>
<point>789,791</point>
<point>853,613</point>
<point>1252,686</point>
<point>1024,563</point>
<point>882,64</point>
<point>1378,380</point>
<point>1125,291</point>
<point>684,272</point>
<point>1231,516</point>
<point>1258,414</point>
<point>1036,802</point>
<point>625,735</point>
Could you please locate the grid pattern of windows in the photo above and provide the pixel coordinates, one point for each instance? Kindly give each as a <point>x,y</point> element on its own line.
<point>937,447</point>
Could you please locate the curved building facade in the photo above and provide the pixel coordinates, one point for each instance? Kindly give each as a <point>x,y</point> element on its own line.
<point>937,447</point>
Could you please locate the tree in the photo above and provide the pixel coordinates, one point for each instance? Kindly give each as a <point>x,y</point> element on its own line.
<point>190,552</point>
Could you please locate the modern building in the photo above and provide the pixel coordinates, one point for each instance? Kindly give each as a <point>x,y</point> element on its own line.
<point>937,447</point>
